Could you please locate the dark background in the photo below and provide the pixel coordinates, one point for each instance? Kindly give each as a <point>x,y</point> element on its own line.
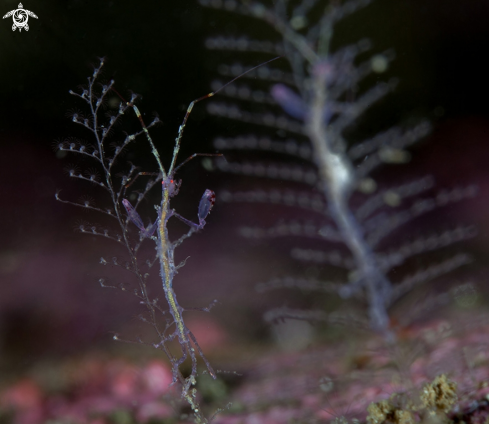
<point>50,301</point>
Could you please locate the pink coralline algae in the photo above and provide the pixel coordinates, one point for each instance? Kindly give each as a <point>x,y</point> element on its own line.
<point>95,389</point>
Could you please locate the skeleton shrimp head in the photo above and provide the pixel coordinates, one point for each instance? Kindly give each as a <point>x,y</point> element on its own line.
<point>172,185</point>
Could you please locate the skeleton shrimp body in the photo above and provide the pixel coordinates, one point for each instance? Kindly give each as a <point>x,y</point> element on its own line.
<point>165,253</point>
<point>168,270</point>
<point>165,248</point>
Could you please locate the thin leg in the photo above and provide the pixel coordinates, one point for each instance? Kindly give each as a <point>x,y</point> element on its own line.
<point>186,221</point>
<point>132,180</point>
<point>193,156</point>
<point>208,365</point>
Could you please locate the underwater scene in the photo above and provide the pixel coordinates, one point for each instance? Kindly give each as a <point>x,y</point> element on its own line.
<point>244,212</point>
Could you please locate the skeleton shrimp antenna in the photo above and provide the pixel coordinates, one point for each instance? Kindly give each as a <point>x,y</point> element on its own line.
<point>191,106</point>
<point>145,129</point>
